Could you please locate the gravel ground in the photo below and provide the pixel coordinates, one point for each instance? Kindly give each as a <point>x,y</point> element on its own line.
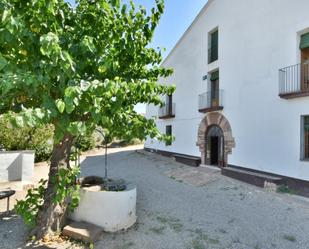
<point>175,213</point>
<point>222,214</point>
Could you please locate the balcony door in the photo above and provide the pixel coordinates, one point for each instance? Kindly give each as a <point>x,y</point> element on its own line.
<point>214,89</point>
<point>169,104</point>
<point>304,48</point>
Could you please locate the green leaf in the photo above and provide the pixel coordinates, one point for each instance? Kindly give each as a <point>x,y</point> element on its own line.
<point>68,62</point>
<point>49,44</point>
<point>3,62</point>
<point>5,15</point>
<point>102,69</point>
<point>77,128</point>
<point>87,43</point>
<point>60,105</point>
<point>69,105</point>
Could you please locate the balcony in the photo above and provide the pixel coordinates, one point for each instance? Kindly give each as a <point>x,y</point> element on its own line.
<point>167,111</point>
<point>210,101</point>
<point>294,81</point>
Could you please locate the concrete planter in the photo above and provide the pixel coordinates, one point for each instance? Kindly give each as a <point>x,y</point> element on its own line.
<point>16,166</point>
<point>113,211</point>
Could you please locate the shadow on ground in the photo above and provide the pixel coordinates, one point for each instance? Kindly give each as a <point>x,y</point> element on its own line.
<point>12,231</point>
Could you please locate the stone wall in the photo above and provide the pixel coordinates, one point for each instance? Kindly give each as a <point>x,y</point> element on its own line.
<point>218,119</point>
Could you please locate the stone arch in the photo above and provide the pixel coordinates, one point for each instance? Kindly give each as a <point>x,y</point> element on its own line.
<point>215,118</point>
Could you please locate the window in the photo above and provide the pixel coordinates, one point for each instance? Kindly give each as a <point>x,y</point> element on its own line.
<point>168,131</point>
<point>213,46</point>
<point>168,109</point>
<point>305,137</point>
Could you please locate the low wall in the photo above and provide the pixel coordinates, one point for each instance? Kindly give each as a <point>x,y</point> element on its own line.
<point>113,211</point>
<point>16,166</point>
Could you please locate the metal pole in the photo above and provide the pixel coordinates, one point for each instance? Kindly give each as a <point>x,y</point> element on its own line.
<point>8,204</point>
<point>105,160</point>
<point>105,156</point>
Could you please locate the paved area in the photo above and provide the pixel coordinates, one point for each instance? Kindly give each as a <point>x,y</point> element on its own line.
<point>183,207</point>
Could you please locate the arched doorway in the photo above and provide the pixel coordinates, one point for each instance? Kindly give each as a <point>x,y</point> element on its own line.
<point>215,125</point>
<point>214,146</point>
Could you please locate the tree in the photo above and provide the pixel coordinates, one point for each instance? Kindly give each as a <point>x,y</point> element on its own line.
<point>78,68</point>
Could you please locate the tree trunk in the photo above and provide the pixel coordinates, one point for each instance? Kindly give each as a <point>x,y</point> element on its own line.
<point>51,216</point>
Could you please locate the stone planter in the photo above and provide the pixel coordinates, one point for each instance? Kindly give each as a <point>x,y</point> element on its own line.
<point>16,166</point>
<point>113,211</point>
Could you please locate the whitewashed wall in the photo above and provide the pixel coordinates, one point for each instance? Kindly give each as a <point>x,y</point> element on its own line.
<point>113,211</point>
<point>256,39</point>
<point>16,166</point>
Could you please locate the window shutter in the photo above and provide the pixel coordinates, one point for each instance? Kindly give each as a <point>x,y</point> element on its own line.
<point>305,142</point>
<point>214,39</point>
<point>168,131</point>
<point>306,123</point>
<point>304,41</point>
<point>213,51</point>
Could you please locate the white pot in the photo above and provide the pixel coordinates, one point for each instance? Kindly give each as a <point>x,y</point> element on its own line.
<point>113,211</point>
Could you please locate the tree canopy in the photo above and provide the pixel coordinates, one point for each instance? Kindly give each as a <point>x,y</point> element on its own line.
<point>78,68</point>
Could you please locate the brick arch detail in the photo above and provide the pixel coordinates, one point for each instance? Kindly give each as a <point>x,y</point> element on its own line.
<point>218,119</point>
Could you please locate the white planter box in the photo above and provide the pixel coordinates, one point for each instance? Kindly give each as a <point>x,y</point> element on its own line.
<point>16,166</point>
<point>113,211</point>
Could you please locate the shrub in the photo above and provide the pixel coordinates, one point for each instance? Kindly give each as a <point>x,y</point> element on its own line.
<point>284,189</point>
<point>43,153</point>
<point>27,138</point>
<point>134,141</point>
<point>39,139</point>
<point>86,142</point>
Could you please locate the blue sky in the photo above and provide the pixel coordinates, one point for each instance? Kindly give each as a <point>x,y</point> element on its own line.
<point>178,15</point>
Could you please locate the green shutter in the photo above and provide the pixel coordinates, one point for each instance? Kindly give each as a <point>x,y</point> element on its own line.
<point>214,76</point>
<point>306,123</point>
<point>213,51</point>
<point>215,39</point>
<point>168,132</point>
<point>304,41</point>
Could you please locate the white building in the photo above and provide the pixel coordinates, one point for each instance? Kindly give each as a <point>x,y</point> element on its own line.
<point>242,98</point>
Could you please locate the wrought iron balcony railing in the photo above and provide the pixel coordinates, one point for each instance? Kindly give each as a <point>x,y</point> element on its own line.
<point>167,111</point>
<point>294,81</point>
<point>210,101</point>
